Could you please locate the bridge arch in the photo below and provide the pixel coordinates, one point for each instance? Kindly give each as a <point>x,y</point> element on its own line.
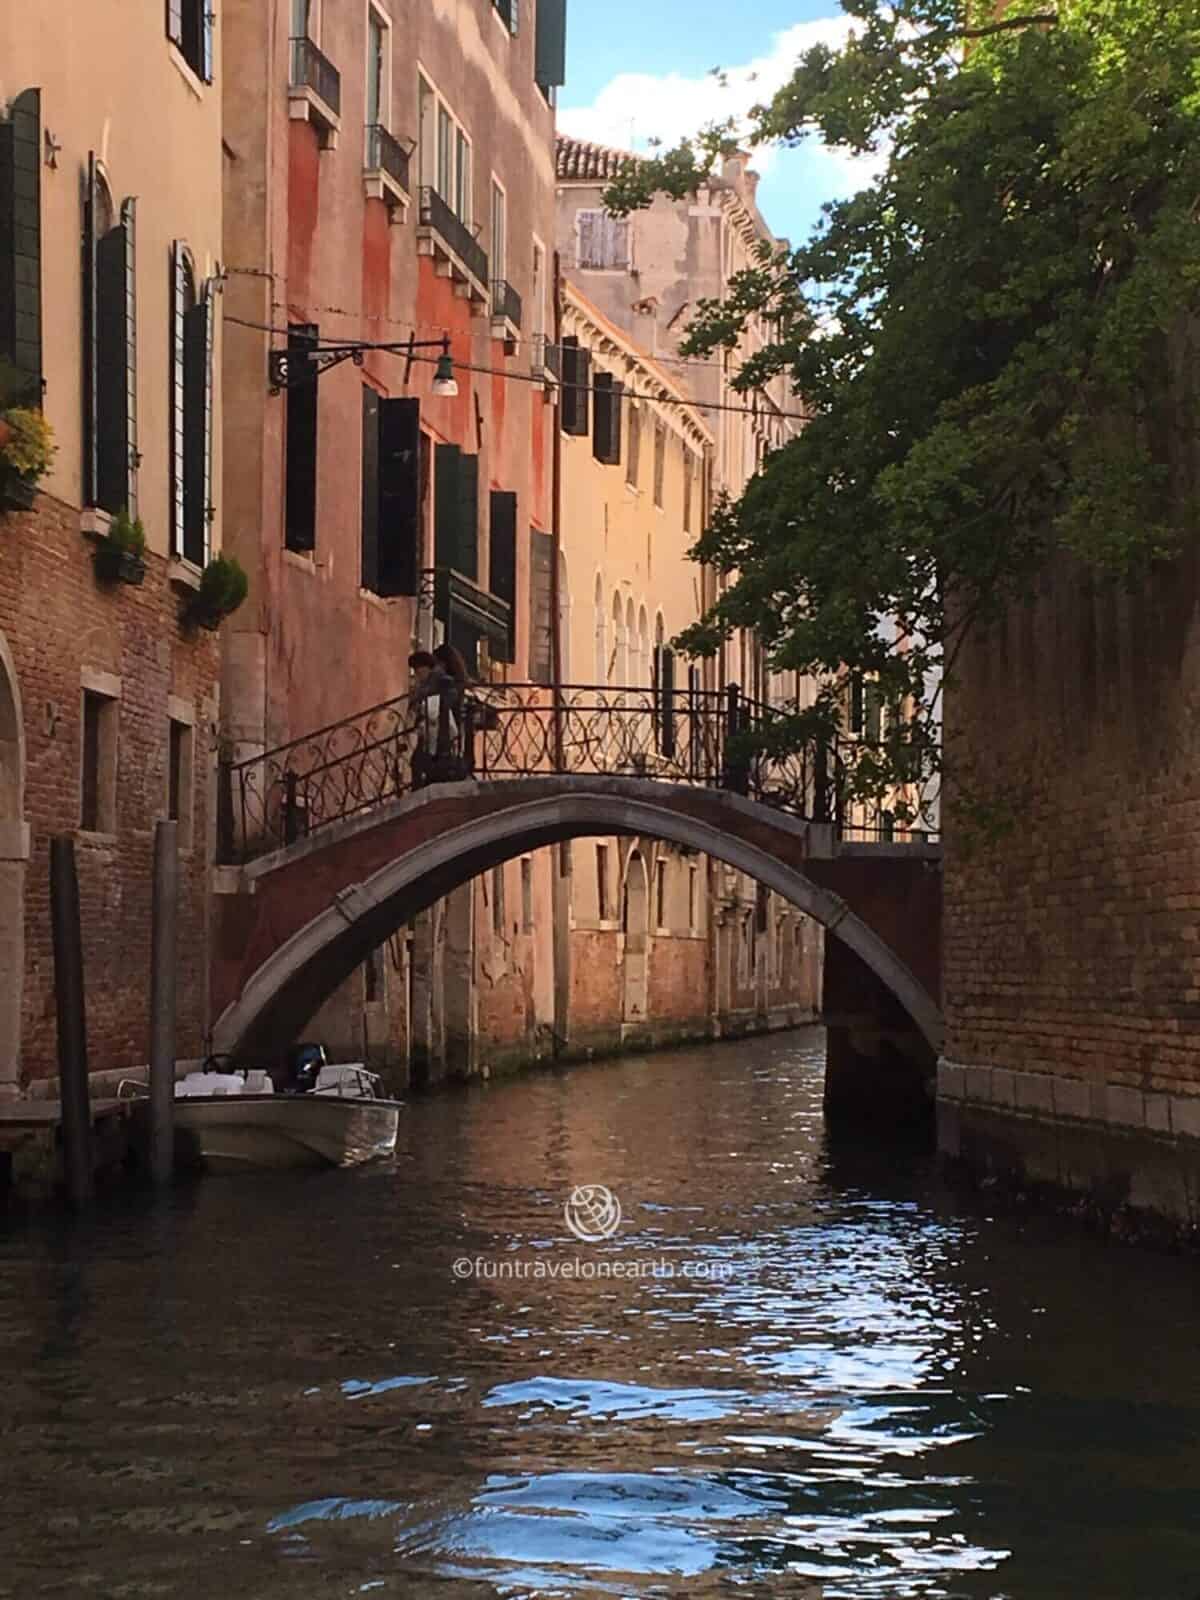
<point>275,996</point>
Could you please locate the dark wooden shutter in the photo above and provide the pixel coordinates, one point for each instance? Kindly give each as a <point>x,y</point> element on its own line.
<point>855,707</point>
<point>576,382</point>
<point>116,366</point>
<point>91,361</point>
<point>21,241</point>
<point>399,495</point>
<point>502,564</point>
<point>210,309</point>
<point>370,489</point>
<point>541,559</point>
<point>468,546</point>
<point>606,435</point>
<point>178,309</point>
<point>196,366</point>
<point>446,508</point>
<point>550,44</point>
<point>301,486</point>
<point>664,681</point>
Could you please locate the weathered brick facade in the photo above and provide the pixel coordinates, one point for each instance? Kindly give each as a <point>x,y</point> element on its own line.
<point>61,624</point>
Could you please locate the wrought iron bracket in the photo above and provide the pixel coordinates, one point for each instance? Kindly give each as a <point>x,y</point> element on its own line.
<point>287,369</point>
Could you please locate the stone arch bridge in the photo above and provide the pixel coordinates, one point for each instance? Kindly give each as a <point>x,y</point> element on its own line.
<point>327,850</point>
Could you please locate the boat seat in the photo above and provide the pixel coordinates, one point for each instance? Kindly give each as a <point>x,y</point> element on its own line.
<point>259,1082</point>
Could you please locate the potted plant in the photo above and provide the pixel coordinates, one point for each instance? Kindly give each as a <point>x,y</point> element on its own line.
<point>223,587</point>
<point>25,454</point>
<point>120,554</point>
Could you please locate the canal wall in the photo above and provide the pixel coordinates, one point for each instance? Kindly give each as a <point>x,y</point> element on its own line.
<point>1072,941</point>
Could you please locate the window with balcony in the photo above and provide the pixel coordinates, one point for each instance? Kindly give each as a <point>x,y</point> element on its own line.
<point>110,456</point>
<point>191,410</point>
<point>447,230</point>
<point>314,83</point>
<point>386,158</point>
<point>190,30</point>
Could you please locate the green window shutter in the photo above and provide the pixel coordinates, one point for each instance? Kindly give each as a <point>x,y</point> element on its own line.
<point>91,355</point>
<point>502,563</point>
<point>468,526</point>
<point>446,507</point>
<point>369,576</point>
<point>541,645</point>
<point>576,383</point>
<point>21,241</point>
<point>550,44</point>
<point>606,437</point>
<point>197,432</point>
<point>178,312</point>
<point>116,366</point>
<point>855,708</point>
<point>399,479</point>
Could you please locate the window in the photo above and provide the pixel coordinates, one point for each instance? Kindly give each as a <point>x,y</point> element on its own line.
<point>693,895</point>
<point>660,462</point>
<point>21,243</point>
<point>110,349</point>
<point>181,738</point>
<point>509,13</point>
<point>391,493</point>
<point>190,30</point>
<point>462,177</point>
<point>660,893</point>
<point>378,61</point>
<point>541,643</point>
<point>600,666</point>
<point>502,563</point>
<point>300,465</point>
<point>498,912</point>
<point>527,894</point>
<point>304,19</point>
<point>617,666</point>
<point>603,904</point>
<point>606,432</point>
<point>635,447</point>
<point>602,241</point>
<point>191,412</point>
<point>445,152</point>
<point>445,155</point>
<point>576,386</point>
<point>98,774</point>
<point>499,231</point>
<point>538,325</point>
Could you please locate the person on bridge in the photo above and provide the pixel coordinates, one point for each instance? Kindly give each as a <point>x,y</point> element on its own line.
<point>439,687</point>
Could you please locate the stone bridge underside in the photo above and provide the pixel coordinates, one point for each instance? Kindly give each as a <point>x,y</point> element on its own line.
<point>292,926</point>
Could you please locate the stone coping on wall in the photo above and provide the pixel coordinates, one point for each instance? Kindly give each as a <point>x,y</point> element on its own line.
<point>1044,1095</point>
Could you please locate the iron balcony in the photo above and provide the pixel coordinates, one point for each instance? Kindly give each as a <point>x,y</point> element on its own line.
<point>452,244</point>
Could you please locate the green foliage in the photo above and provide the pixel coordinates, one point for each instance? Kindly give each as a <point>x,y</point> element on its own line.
<point>30,447</point>
<point>126,536</point>
<point>992,341</point>
<point>223,587</point>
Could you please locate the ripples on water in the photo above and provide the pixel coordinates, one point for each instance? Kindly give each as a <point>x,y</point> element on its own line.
<point>279,1388</point>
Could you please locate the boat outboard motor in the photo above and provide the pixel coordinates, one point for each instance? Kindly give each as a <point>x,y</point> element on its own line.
<point>304,1063</point>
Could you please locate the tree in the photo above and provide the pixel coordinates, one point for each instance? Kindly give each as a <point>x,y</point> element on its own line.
<point>984,338</point>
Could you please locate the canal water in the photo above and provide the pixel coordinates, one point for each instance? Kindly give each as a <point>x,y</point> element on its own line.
<point>793,1370</point>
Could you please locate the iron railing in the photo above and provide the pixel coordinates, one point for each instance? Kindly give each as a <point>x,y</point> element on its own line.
<point>385,153</point>
<point>684,735</point>
<point>545,356</point>
<point>312,70</point>
<point>454,234</point>
<point>506,302</point>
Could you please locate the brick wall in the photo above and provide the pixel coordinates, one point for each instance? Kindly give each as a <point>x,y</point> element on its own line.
<point>59,621</point>
<point>1072,946</point>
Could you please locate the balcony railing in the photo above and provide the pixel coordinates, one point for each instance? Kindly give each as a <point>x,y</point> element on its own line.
<point>386,154</point>
<point>545,356</point>
<point>506,303</point>
<point>454,234</point>
<point>312,70</point>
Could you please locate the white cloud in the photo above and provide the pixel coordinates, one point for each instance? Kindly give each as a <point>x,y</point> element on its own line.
<point>635,108</point>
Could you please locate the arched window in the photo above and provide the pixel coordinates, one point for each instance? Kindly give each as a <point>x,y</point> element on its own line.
<point>601,658</point>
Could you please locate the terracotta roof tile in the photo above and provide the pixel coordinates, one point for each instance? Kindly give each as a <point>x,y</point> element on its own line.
<point>581,160</point>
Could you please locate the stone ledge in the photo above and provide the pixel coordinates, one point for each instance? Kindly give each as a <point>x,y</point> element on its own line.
<point>1042,1096</point>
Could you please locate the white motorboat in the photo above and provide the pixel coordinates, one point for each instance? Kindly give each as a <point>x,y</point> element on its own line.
<point>236,1120</point>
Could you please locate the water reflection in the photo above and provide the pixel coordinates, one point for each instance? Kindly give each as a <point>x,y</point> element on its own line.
<point>279,1388</point>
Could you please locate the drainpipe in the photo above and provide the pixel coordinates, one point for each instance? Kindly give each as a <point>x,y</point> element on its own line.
<point>561,870</point>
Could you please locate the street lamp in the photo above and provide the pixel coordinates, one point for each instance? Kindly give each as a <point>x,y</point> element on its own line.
<point>287,369</point>
<point>445,385</point>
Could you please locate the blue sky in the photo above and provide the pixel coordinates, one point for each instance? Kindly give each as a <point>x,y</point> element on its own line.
<point>638,69</point>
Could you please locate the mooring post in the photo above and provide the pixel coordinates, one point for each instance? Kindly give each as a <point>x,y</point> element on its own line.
<point>67,939</point>
<point>162,1002</point>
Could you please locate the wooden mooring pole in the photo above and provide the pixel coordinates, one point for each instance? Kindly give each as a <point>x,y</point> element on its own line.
<point>162,1003</point>
<point>67,938</point>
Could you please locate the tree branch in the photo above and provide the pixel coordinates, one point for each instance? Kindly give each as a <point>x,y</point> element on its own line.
<point>1007,24</point>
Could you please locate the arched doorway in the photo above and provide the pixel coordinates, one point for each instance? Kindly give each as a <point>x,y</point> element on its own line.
<point>14,852</point>
<point>635,927</point>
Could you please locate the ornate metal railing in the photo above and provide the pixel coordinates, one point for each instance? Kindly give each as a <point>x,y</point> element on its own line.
<point>454,233</point>
<point>506,302</point>
<point>312,70</point>
<point>385,153</point>
<point>692,736</point>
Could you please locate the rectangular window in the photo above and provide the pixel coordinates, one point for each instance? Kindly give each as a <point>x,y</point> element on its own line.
<point>462,179</point>
<point>427,128</point>
<point>300,488</point>
<point>499,231</point>
<point>606,430</point>
<point>498,913</point>
<point>603,905</point>
<point>538,327</point>
<point>660,894</point>
<point>190,30</point>
<point>541,643</point>
<point>181,737</point>
<point>527,894</point>
<point>391,494</point>
<point>576,387</point>
<point>378,110</point>
<point>687,491</point>
<point>98,775</point>
<point>633,462</point>
<point>602,241</point>
<point>660,462</point>
<point>693,895</point>
<point>502,563</point>
<point>445,155</point>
